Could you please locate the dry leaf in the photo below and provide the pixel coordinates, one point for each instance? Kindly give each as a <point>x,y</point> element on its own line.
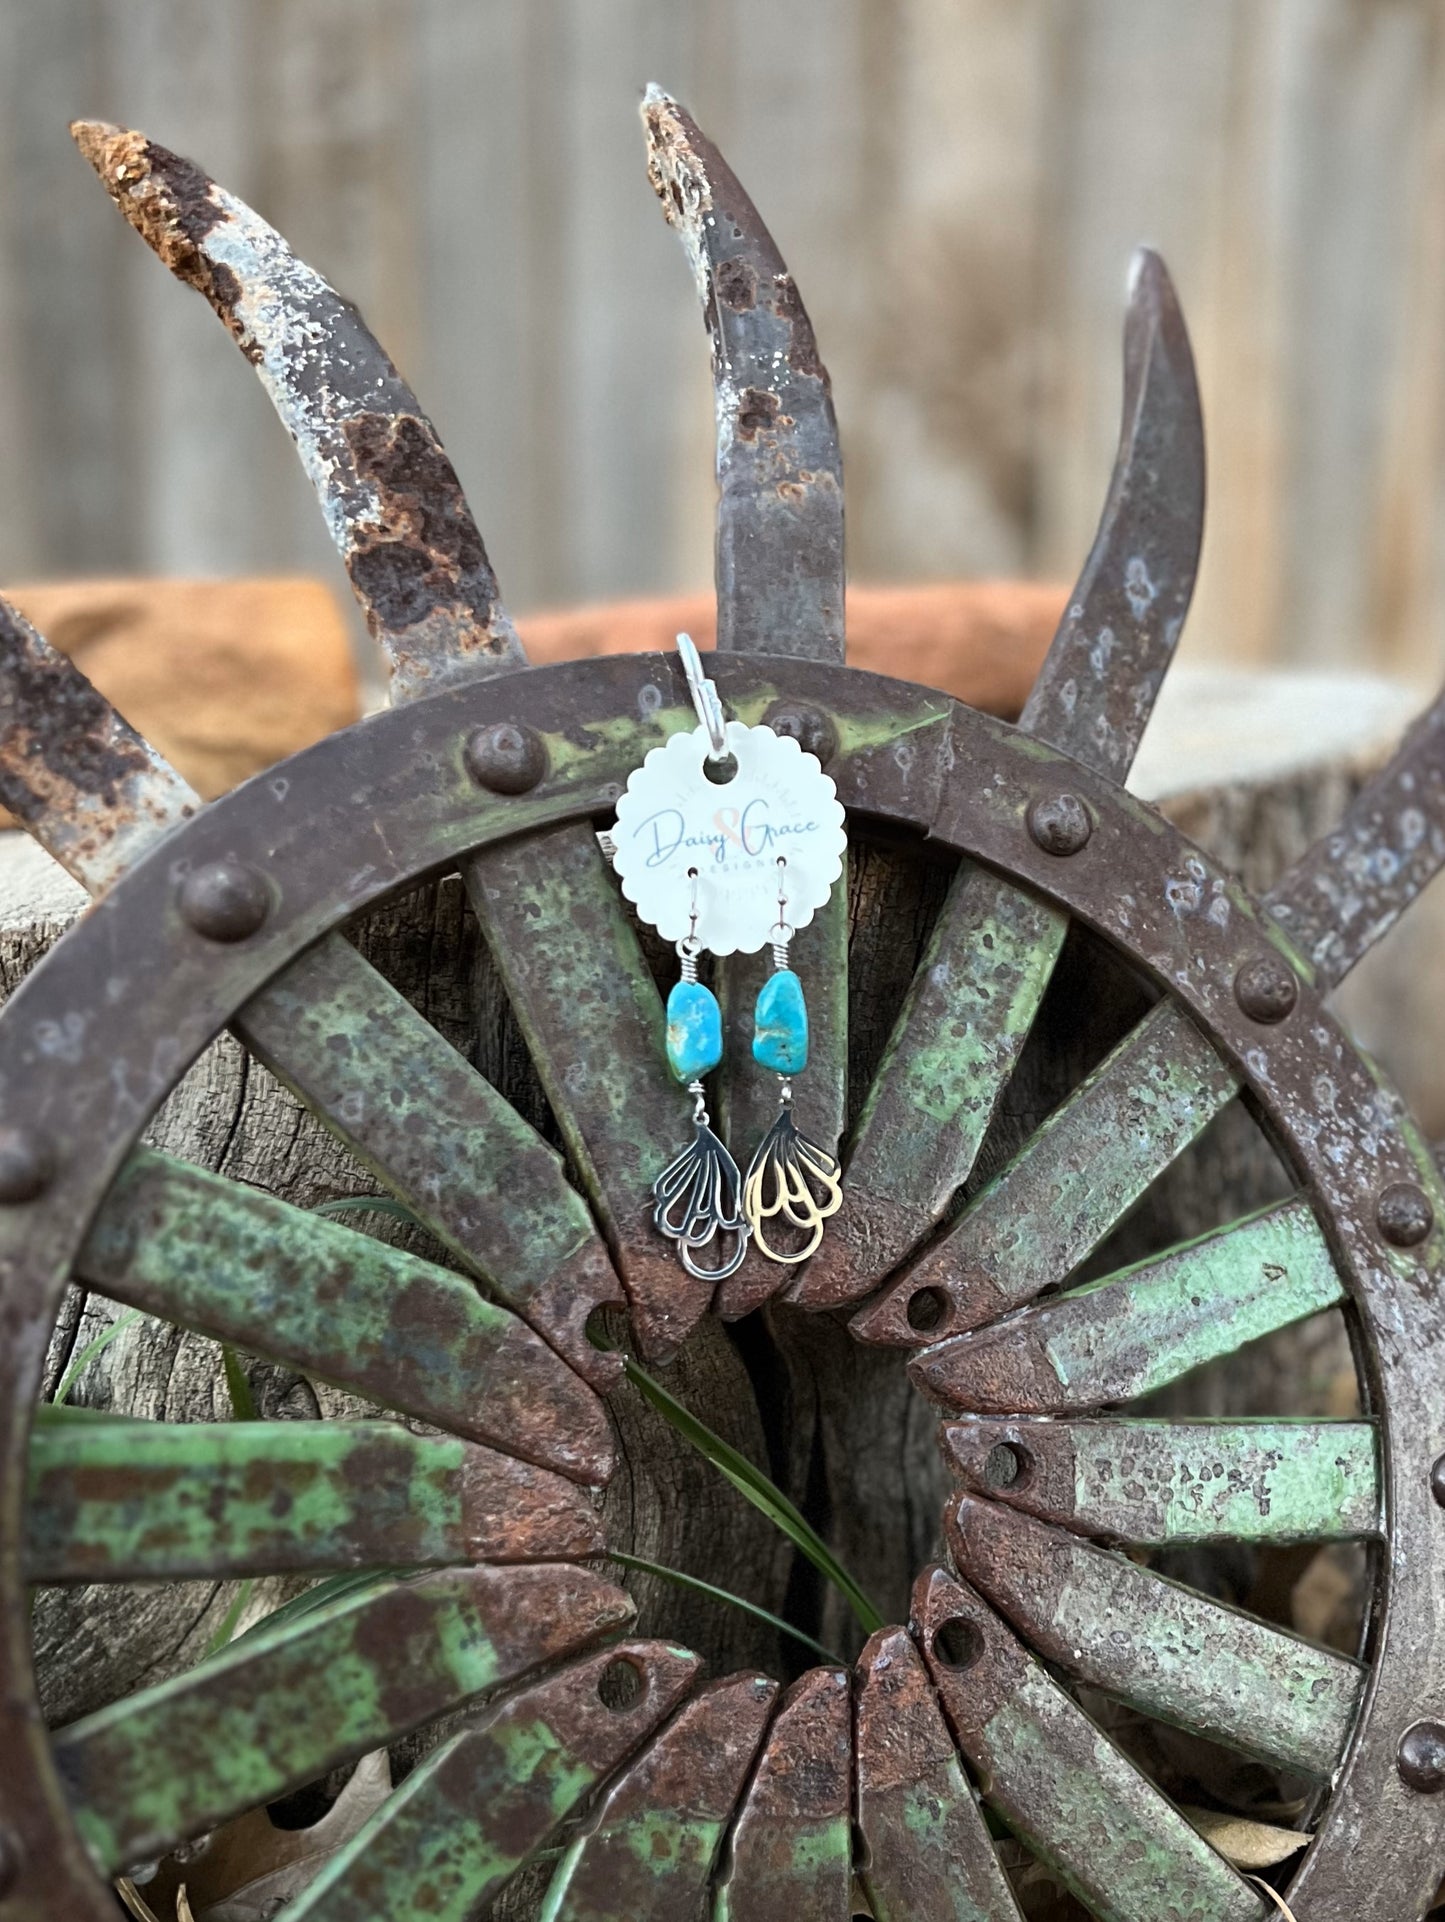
<point>134,1901</point>
<point>1278,1900</point>
<point>1248,1845</point>
<point>183,1907</point>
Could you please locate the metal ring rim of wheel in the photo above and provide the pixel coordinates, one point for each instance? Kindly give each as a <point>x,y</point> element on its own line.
<point>1031,813</point>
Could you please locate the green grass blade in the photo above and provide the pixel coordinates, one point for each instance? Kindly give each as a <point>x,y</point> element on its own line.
<point>238,1386</point>
<point>366,1204</point>
<point>754,1485</point>
<point>700,1587</point>
<point>92,1349</point>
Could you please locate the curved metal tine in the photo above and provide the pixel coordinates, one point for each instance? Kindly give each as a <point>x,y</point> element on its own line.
<point>97,797</point>
<point>1105,1622</point>
<point>1057,1779</point>
<point>779,560</point>
<point>478,1808</point>
<point>1350,888</point>
<point>73,772</point>
<point>392,500</point>
<point>927,1855</point>
<point>420,570</point>
<point>299,1697</point>
<point>1084,1169</point>
<point>647,1853</point>
<point>929,1109</point>
<point>220,1499</point>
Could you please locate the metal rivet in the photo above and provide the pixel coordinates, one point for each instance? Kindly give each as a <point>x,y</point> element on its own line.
<point>505,757</point>
<point>1422,1758</point>
<point>808,726</point>
<point>27,1162</point>
<point>1437,1481</point>
<point>225,900</point>
<point>1059,823</point>
<point>1403,1214</point>
<point>1266,988</point>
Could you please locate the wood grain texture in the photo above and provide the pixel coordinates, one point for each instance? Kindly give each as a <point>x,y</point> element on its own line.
<point>956,183</point>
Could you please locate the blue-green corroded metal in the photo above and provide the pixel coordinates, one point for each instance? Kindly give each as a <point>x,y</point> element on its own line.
<point>240,1265</point>
<point>1157,1483</point>
<point>926,1852</point>
<point>1072,1182</point>
<point>1144,1327</point>
<point>154,1501</point>
<point>1161,1648</point>
<point>694,1031</point>
<point>475,1811</point>
<point>790,1852</point>
<point>647,1854</point>
<point>283,1705</point>
<point>780,1024</point>
<point>439,1137</point>
<point>1059,1782</point>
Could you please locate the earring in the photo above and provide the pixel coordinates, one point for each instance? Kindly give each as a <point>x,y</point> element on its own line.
<point>695,1198</point>
<point>698,847</point>
<point>789,1175</point>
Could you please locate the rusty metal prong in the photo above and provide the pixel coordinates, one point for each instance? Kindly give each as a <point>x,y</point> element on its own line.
<point>73,772</point>
<point>1352,886</point>
<point>391,497</point>
<point>1097,686</point>
<point>780,475</point>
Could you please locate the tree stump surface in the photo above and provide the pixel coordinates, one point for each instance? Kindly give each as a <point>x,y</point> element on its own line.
<point>1255,768</point>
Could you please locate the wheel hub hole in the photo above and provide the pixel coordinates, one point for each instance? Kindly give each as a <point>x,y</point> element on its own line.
<point>619,1687</point>
<point>927,1309</point>
<point>958,1642</point>
<point>1007,1466</point>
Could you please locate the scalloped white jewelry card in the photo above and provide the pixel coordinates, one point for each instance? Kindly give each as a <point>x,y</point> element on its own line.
<point>673,819</point>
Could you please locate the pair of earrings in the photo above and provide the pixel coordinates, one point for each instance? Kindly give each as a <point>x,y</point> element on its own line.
<point>729,839</point>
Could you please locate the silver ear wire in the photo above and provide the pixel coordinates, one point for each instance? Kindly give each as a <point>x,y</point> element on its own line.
<point>708,706</point>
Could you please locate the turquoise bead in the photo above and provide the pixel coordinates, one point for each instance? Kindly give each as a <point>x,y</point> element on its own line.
<point>780,1026</point>
<point>694,1031</point>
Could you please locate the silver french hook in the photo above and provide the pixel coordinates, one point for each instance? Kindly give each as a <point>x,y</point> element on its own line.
<point>705,701</point>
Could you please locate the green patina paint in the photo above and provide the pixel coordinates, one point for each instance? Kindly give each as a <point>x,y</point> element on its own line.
<point>1116,1842</point>
<point>414,1111</point>
<point>1139,1329</point>
<point>236,1263</point>
<point>1088,1164</point>
<point>1156,1482</point>
<point>1201,1666</point>
<point>157,1500</point>
<point>277,1709</point>
<point>949,1872</point>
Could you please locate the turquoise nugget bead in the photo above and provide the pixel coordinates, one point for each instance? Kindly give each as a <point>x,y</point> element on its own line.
<point>780,1026</point>
<point>694,1031</point>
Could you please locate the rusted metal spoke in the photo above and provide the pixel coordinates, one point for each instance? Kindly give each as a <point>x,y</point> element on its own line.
<point>440,1137</point>
<point>1158,1646</point>
<point>474,1812</point>
<point>72,771</point>
<point>391,498</point>
<point>1352,886</point>
<point>779,557</point>
<point>994,947</point>
<point>1142,1328</point>
<point>927,1854</point>
<point>283,1705</point>
<point>648,1853</point>
<point>790,1853</point>
<point>1156,1483</point>
<point>238,1264</point>
<point>157,1501</point>
<point>1068,1187</point>
<point>1058,1781</point>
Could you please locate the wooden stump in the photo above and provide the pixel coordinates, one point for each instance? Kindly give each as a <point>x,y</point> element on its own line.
<point>835,1423</point>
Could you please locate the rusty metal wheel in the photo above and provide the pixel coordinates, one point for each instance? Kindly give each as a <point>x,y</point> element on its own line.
<point>767,1805</point>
